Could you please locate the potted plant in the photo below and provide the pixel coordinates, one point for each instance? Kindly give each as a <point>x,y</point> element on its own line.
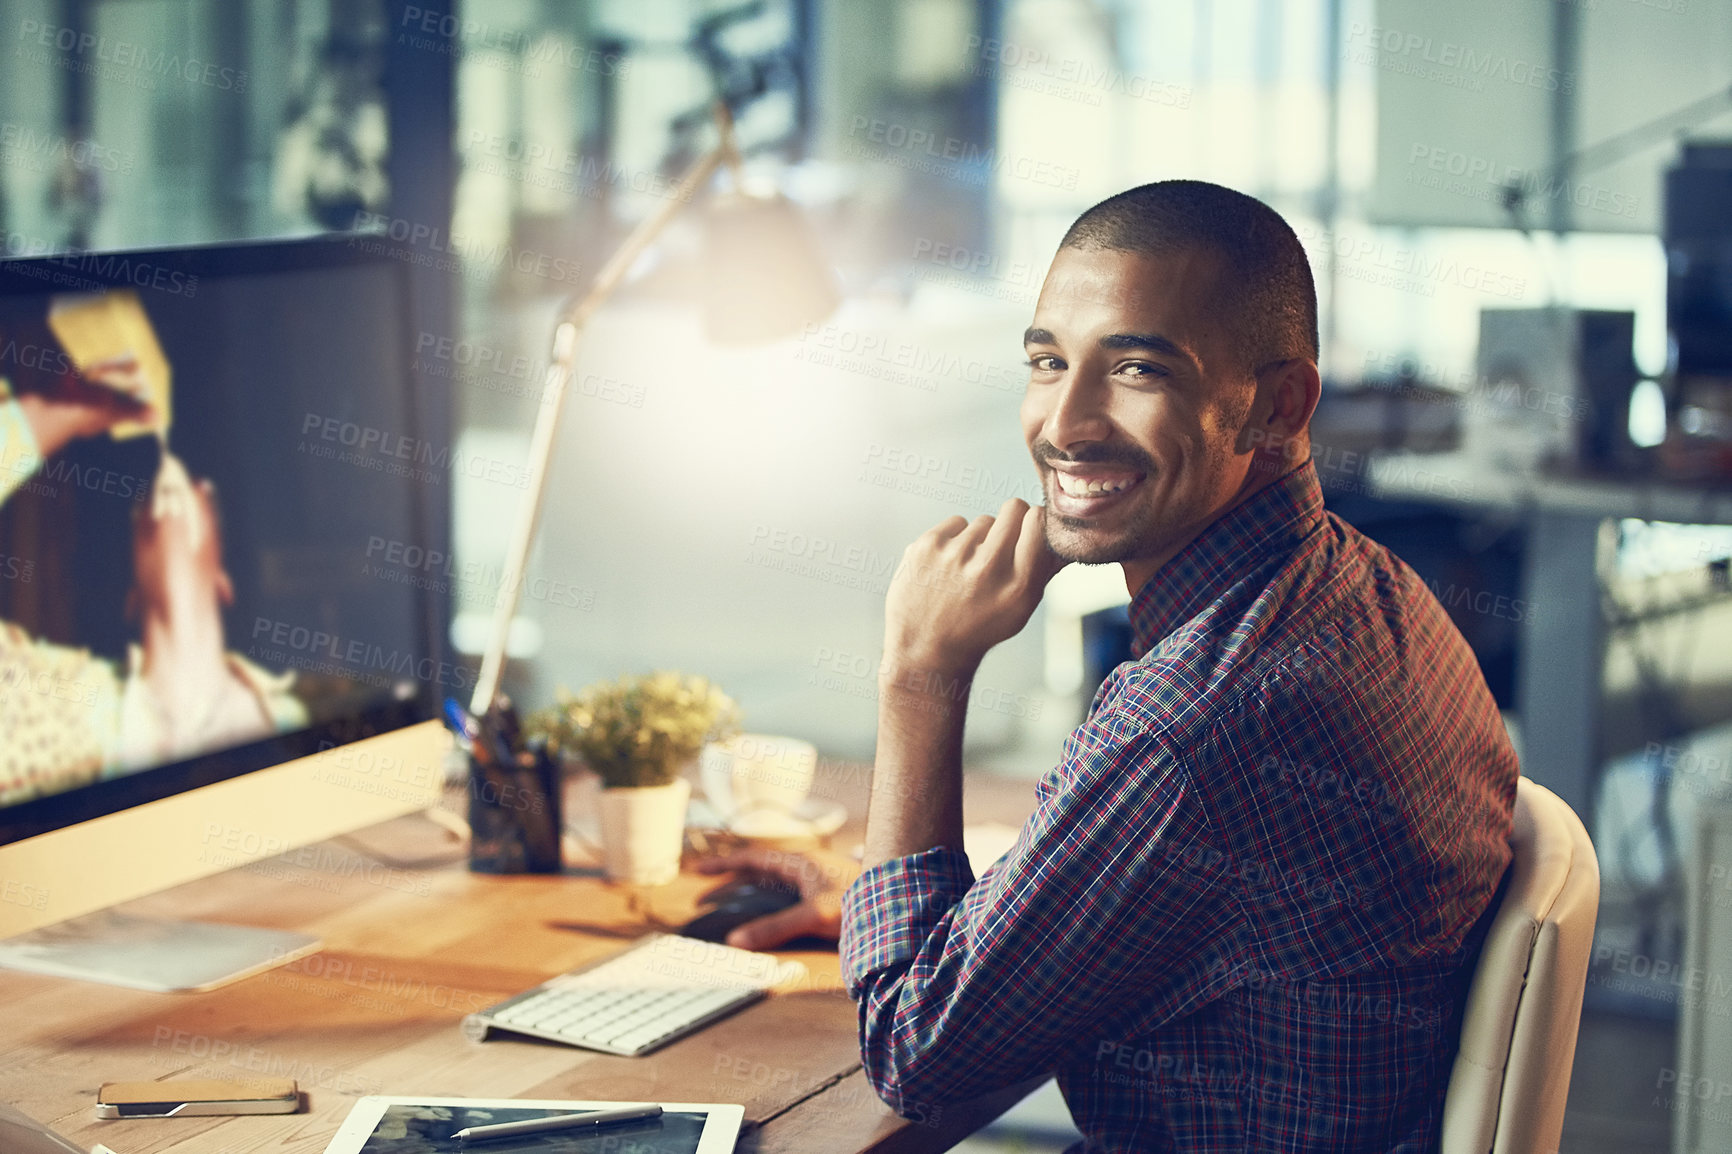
<point>639,734</point>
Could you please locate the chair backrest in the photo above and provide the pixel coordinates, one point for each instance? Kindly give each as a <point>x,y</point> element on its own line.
<point>1518,1033</point>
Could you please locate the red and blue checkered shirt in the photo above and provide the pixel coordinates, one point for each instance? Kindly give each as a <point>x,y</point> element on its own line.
<point>1242,912</point>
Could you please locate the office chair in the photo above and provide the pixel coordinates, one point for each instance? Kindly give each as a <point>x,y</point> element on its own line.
<point>1518,1034</point>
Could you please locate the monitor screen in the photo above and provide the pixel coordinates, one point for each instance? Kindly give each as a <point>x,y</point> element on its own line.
<point>221,510</point>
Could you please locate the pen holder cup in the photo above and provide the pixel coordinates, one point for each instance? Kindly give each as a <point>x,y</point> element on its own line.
<point>514,820</point>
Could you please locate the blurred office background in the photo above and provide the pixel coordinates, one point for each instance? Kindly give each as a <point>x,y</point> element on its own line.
<point>1517,214</point>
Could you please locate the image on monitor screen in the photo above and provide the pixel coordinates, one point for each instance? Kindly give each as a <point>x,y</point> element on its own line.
<point>200,473</point>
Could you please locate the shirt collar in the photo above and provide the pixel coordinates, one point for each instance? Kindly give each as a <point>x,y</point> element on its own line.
<point>1272,522</point>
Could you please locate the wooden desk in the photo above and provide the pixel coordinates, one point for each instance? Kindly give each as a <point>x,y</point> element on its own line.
<point>408,951</point>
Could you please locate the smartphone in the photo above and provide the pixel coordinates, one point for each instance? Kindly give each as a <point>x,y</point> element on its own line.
<point>183,1098</point>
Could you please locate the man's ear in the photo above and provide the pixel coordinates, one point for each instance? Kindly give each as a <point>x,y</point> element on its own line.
<point>1287,395</point>
<point>1297,388</point>
<point>225,589</point>
<point>1280,416</point>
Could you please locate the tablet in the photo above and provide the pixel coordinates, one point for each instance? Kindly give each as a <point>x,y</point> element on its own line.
<point>391,1125</point>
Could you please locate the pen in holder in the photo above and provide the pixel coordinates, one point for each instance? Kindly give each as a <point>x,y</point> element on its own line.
<point>514,789</point>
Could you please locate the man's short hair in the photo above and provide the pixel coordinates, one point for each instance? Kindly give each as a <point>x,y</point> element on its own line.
<point>1266,283</point>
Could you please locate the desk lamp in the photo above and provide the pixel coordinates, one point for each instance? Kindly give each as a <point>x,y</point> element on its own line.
<point>764,280</point>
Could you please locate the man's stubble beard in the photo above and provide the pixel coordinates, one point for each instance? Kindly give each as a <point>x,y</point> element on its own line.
<point>1140,538</point>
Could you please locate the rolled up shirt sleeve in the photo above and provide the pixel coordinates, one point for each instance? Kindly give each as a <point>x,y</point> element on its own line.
<point>896,904</point>
<point>1102,914</point>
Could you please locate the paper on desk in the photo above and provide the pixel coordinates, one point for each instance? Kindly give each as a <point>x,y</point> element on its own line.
<point>986,843</point>
<point>96,327</point>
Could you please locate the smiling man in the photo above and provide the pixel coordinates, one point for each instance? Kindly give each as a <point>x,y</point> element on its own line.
<point>1240,916</point>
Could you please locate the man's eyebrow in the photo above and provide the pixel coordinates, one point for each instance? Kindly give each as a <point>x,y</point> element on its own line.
<point>1150,341</point>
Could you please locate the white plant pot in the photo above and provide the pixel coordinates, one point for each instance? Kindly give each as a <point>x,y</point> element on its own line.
<point>642,831</point>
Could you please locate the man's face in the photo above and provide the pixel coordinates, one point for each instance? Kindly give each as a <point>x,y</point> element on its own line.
<point>1136,401</point>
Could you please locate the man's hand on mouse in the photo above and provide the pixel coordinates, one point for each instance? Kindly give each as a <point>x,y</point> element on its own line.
<point>963,587</point>
<point>820,877</point>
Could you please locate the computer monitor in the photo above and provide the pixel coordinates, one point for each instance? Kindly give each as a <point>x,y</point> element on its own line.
<point>222,508</point>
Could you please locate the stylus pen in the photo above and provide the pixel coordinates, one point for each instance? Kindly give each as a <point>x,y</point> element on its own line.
<point>459,720</point>
<point>562,1122</point>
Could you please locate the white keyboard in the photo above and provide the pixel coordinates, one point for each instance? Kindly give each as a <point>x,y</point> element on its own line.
<point>662,988</point>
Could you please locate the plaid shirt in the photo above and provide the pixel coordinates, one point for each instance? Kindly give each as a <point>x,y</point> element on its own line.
<point>1240,915</point>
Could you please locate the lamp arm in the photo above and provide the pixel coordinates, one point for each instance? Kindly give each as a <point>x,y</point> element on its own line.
<point>1613,149</point>
<point>559,372</point>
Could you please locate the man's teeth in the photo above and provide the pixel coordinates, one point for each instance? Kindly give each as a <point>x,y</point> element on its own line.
<point>1077,487</point>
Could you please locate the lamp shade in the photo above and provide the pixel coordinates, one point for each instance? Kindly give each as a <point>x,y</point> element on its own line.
<point>764,276</point>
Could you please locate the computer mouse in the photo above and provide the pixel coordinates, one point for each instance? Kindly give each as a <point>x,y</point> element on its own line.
<point>735,906</point>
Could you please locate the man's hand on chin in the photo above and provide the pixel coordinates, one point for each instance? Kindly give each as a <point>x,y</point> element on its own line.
<point>964,586</point>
